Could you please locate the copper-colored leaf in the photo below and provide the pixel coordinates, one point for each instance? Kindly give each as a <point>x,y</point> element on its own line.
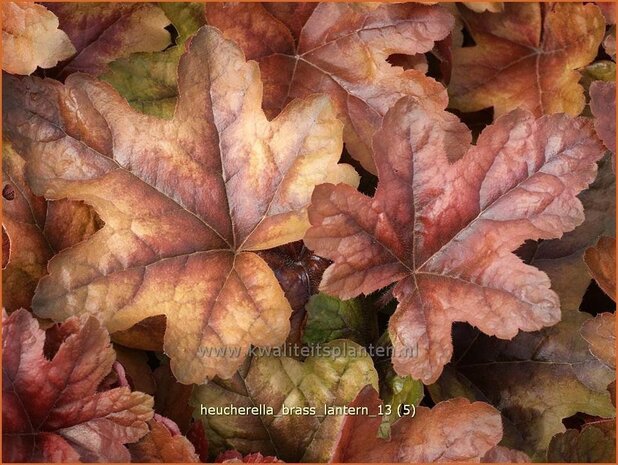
<point>526,57</point>
<point>601,261</point>
<point>452,431</point>
<point>538,379</point>
<point>103,32</point>
<point>163,444</point>
<point>51,408</point>
<point>603,107</point>
<point>185,202</point>
<point>600,333</point>
<point>340,49</point>
<point>443,230</point>
<point>31,38</point>
<point>23,219</point>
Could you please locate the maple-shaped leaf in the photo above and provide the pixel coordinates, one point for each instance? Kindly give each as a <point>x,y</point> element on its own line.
<point>603,107</point>
<point>330,378</point>
<point>452,431</point>
<point>185,202</point>
<point>52,408</point>
<point>103,32</point>
<point>340,49</point>
<point>31,38</point>
<point>526,56</point>
<point>34,230</point>
<point>163,444</point>
<point>444,219</point>
<point>540,378</point>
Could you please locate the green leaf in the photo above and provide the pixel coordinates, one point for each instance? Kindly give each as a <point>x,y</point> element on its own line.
<point>329,318</point>
<point>285,383</point>
<point>149,80</point>
<point>397,391</point>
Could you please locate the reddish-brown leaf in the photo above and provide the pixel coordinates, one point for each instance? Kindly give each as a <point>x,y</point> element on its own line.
<point>172,398</point>
<point>163,444</point>
<point>299,272</point>
<point>340,49</point>
<point>452,431</point>
<point>444,220</point>
<point>186,202</point>
<point>601,262</point>
<point>197,436</point>
<point>603,107</point>
<point>526,56</point>
<point>52,409</point>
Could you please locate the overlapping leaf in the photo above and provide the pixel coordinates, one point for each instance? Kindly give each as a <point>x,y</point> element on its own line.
<point>340,49</point>
<point>332,379</point>
<point>103,32</point>
<point>452,431</point>
<point>601,262</point>
<point>595,443</point>
<point>34,230</point>
<point>163,444</point>
<point>603,107</point>
<point>185,202</point>
<point>540,378</point>
<point>444,220</point>
<point>52,409</point>
<point>526,56</point>
<point>149,80</point>
<point>31,38</point>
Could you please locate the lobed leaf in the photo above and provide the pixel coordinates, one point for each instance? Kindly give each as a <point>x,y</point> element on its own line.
<point>452,431</point>
<point>444,220</point>
<point>527,57</point>
<point>52,409</point>
<point>185,202</point>
<point>340,49</point>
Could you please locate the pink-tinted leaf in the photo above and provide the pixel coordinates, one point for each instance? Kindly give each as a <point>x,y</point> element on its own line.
<point>52,409</point>
<point>444,220</point>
